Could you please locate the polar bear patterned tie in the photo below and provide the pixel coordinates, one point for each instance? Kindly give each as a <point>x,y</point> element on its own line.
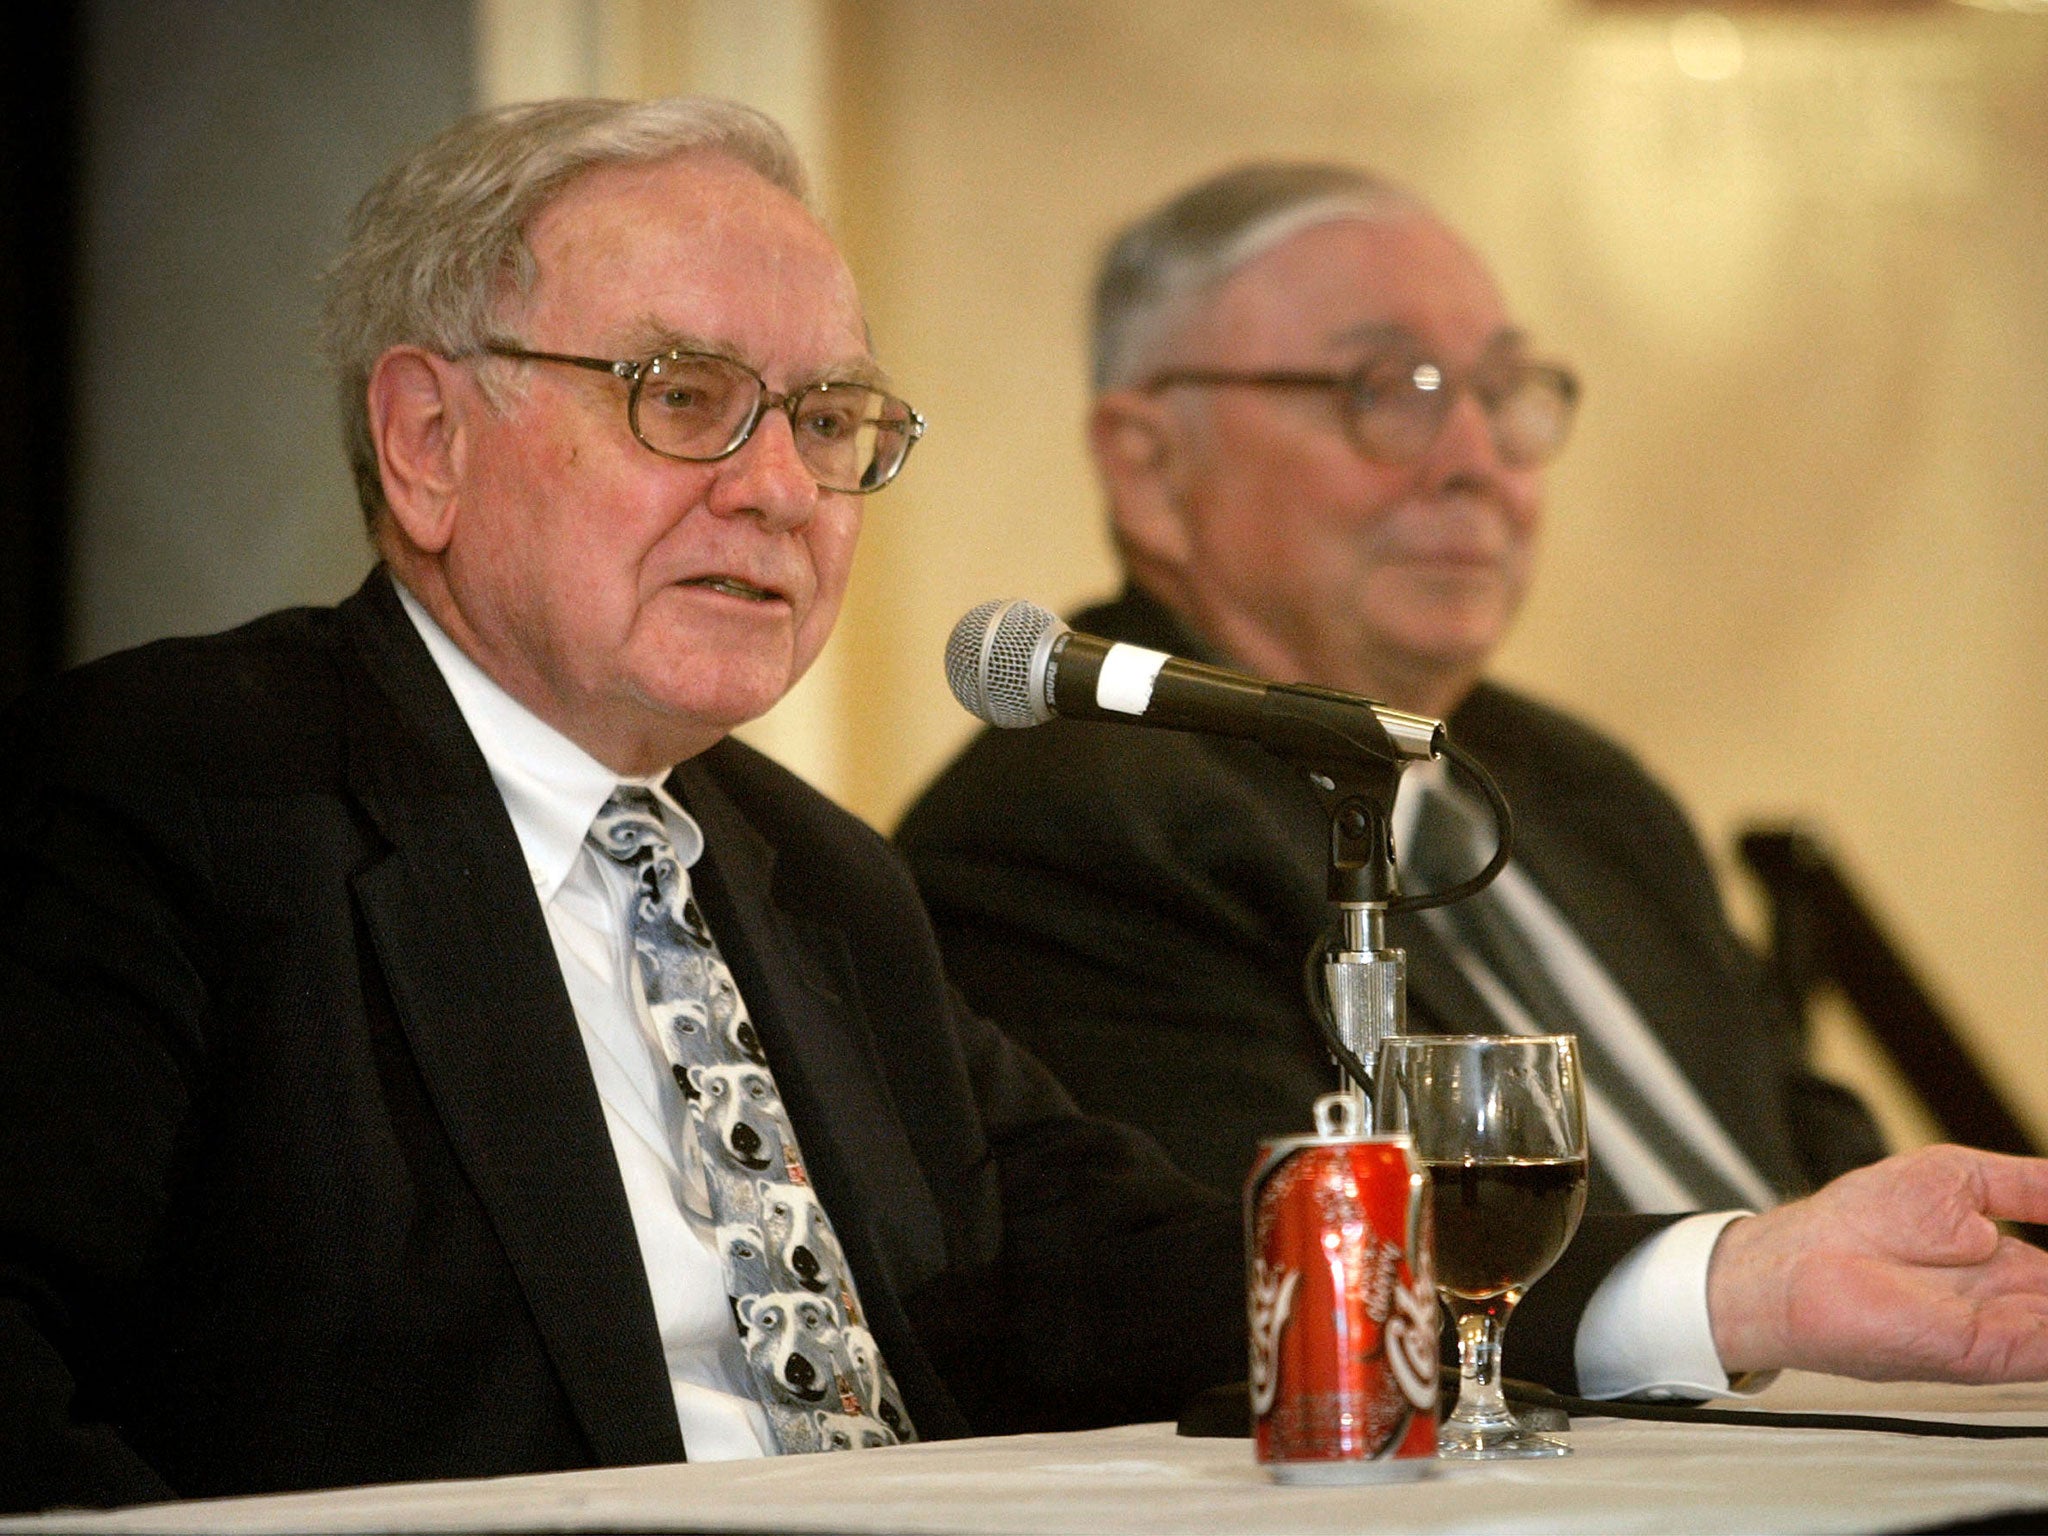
<point>816,1368</point>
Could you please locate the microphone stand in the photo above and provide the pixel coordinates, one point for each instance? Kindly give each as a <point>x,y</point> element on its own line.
<point>1357,986</point>
<point>1364,982</point>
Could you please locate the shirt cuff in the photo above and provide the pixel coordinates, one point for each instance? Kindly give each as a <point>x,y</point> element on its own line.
<point>1646,1332</point>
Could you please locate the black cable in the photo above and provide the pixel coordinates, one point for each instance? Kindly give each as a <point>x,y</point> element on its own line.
<point>1504,840</point>
<point>1226,1411</point>
<point>1319,1009</point>
<point>1529,1395</point>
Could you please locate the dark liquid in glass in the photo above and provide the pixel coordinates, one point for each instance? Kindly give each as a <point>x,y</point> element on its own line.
<point>1500,1225</point>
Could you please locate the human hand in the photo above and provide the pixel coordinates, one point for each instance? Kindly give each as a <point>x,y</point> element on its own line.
<point>1894,1272</point>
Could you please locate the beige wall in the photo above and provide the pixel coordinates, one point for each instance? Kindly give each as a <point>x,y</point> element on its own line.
<point>1798,554</point>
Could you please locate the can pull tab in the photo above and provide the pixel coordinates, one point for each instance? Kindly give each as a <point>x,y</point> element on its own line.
<point>1337,1115</point>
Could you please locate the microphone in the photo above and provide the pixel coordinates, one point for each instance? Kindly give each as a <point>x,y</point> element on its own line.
<point>1013,664</point>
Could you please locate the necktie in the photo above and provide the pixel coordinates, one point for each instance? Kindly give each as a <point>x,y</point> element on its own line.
<point>816,1369</point>
<point>1661,1146</point>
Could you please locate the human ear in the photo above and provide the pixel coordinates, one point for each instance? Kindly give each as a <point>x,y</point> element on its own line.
<point>415,421</point>
<point>1140,455</point>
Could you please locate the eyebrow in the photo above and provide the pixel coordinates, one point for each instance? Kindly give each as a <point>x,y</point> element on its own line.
<point>650,337</point>
<point>1380,331</point>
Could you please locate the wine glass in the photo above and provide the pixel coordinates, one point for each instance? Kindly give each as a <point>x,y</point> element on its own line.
<point>1498,1122</point>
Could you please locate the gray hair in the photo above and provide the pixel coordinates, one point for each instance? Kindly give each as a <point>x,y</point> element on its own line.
<point>1154,271</point>
<point>437,255</point>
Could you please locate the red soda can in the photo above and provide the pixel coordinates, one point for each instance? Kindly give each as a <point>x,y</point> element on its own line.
<point>1342,1298</point>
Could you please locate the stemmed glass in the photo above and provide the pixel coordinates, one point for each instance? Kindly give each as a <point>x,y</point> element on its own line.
<point>1499,1124</point>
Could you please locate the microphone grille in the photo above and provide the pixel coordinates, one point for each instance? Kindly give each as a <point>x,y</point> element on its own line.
<point>989,661</point>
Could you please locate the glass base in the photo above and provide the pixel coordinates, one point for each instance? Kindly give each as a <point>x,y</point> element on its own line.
<point>1470,1442</point>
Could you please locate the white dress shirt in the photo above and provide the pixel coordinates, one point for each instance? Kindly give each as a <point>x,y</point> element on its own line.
<point>553,790</point>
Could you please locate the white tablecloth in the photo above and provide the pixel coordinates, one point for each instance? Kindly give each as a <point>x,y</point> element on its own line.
<point>1143,1480</point>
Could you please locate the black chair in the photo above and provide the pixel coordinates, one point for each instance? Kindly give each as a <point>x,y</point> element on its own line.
<point>1823,933</point>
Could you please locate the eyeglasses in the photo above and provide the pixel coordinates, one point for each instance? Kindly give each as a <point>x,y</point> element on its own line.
<point>700,407</point>
<point>1395,408</point>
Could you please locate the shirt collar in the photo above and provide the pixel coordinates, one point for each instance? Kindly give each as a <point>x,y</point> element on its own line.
<point>552,788</point>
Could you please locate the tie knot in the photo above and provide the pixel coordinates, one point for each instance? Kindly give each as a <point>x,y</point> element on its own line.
<point>629,825</point>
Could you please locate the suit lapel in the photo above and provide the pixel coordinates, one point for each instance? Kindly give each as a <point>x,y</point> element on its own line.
<point>1644,952</point>
<point>1660,960</point>
<point>466,953</point>
<point>797,973</point>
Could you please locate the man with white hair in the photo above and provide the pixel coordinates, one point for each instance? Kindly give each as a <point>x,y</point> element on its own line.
<point>433,1049</point>
<point>1321,436</point>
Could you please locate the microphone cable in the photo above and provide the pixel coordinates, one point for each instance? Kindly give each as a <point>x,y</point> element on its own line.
<point>1503,832</point>
<point>1225,1413</point>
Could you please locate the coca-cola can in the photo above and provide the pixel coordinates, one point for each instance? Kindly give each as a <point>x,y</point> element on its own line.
<point>1342,1298</point>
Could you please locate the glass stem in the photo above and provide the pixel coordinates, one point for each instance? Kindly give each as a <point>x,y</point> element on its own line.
<point>1479,1329</point>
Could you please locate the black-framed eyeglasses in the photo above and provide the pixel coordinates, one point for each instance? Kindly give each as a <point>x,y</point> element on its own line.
<point>701,407</point>
<point>1395,408</point>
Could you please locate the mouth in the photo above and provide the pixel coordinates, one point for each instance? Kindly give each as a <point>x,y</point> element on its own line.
<point>733,586</point>
<point>1454,559</point>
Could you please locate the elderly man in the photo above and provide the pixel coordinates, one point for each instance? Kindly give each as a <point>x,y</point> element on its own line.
<point>432,1049</point>
<point>1321,436</point>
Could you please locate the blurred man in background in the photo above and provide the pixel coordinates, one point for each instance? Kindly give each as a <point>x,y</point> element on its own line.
<point>1321,436</point>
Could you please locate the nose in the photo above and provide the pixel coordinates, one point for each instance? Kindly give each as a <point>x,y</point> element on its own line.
<point>809,1271</point>
<point>766,478</point>
<point>1465,444</point>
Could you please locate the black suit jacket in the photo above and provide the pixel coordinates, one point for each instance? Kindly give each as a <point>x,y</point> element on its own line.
<point>1135,907</point>
<point>303,1176</point>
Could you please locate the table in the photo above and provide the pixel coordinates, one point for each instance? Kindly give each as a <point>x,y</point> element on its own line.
<point>1143,1480</point>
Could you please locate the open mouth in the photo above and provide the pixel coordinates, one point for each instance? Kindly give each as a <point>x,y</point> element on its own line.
<point>732,586</point>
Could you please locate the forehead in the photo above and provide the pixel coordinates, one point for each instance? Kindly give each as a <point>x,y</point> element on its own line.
<point>697,248</point>
<point>1326,290</point>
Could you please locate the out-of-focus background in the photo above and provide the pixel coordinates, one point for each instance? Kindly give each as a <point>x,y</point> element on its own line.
<point>1798,551</point>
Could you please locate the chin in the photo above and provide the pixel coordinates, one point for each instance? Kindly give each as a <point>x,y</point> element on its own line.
<point>714,705</point>
<point>714,678</point>
<point>1460,631</point>
<point>1437,633</point>
<point>1451,659</point>
<point>728,712</point>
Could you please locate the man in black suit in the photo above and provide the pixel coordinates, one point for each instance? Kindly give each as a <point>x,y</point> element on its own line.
<point>351,962</point>
<point>1320,436</point>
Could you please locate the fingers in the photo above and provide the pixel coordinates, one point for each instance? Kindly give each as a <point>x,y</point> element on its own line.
<point>1894,1271</point>
<point>1935,1205</point>
<point>2015,1188</point>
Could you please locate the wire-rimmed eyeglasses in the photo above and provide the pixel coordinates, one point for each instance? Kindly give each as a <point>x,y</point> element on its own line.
<point>1395,408</point>
<point>701,407</point>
